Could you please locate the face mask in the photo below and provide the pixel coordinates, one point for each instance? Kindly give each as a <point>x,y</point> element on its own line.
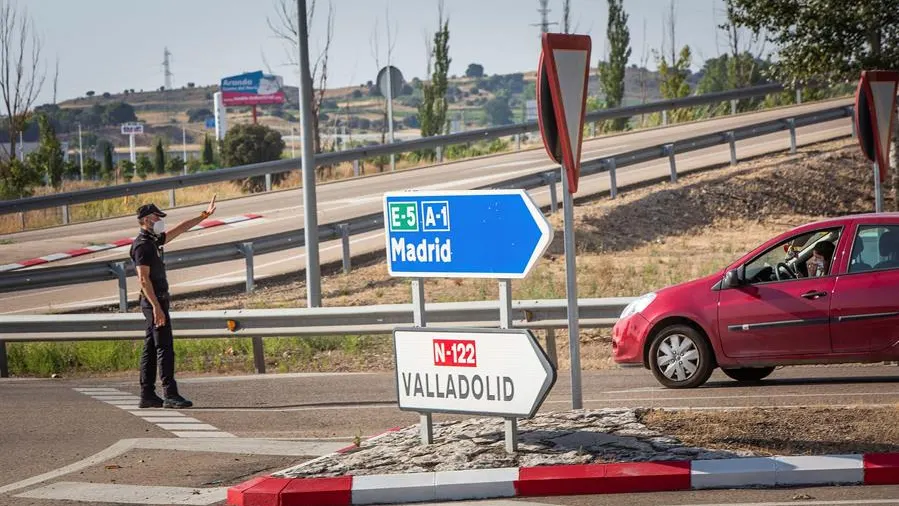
<point>159,226</point>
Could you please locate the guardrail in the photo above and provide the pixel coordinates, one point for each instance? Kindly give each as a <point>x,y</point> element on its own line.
<point>101,271</point>
<point>325,159</point>
<point>546,314</point>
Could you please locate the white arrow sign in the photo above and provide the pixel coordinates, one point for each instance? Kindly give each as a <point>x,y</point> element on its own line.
<point>475,371</point>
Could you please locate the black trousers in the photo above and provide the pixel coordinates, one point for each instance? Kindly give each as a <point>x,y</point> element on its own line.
<point>159,350</point>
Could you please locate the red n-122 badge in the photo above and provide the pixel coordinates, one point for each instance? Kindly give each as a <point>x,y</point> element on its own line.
<point>455,353</point>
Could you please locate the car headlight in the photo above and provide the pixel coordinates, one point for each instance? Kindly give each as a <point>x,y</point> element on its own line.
<point>638,305</point>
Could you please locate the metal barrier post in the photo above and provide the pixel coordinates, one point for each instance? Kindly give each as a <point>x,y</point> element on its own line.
<point>798,95</point>
<point>439,154</point>
<point>665,118</point>
<point>22,219</point>
<point>850,111</point>
<point>4,364</point>
<point>551,347</point>
<point>118,269</point>
<point>65,214</point>
<point>172,197</point>
<point>345,244</point>
<point>733,107</point>
<point>518,142</point>
<point>258,355</point>
<point>593,129</point>
<point>669,150</point>
<point>613,179</point>
<point>733,147</point>
<point>355,168</point>
<point>792,123</point>
<point>246,249</point>
<point>553,198</point>
<point>268,182</point>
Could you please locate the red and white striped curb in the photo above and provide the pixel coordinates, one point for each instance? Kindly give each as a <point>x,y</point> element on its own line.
<point>115,244</point>
<point>763,472</point>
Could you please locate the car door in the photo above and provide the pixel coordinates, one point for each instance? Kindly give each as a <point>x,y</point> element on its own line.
<point>767,317</point>
<point>865,305</point>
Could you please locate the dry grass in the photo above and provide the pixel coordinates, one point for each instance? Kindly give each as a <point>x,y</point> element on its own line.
<point>773,431</point>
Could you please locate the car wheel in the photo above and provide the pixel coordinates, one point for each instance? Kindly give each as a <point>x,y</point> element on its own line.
<point>680,357</point>
<point>749,373</point>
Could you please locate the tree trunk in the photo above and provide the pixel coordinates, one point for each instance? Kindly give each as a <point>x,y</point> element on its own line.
<point>894,162</point>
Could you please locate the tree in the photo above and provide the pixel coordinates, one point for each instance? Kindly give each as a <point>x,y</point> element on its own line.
<point>90,93</point>
<point>21,75</point>
<point>49,158</point>
<point>127,170</point>
<point>91,168</point>
<point>117,113</point>
<point>108,166</point>
<point>159,157</point>
<point>611,72</point>
<point>285,27</point>
<point>498,111</point>
<point>828,41</point>
<point>19,179</point>
<point>246,144</point>
<point>474,70</point>
<point>432,112</point>
<point>174,165</point>
<point>198,115</point>
<point>143,167</point>
<point>674,68</point>
<point>208,153</point>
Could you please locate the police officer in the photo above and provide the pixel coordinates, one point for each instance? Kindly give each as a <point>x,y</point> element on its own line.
<point>148,258</point>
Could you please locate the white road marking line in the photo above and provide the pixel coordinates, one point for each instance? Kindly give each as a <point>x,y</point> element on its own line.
<point>171,427</point>
<point>168,420</point>
<point>201,434</point>
<point>127,494</point>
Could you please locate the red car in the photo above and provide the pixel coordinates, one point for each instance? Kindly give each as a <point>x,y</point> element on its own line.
<point>787,302</point>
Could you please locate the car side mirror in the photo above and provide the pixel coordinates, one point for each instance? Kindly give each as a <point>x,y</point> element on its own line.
<point>733,278</point>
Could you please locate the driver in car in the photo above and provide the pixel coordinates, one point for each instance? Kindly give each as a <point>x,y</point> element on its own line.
<point>822,255</point>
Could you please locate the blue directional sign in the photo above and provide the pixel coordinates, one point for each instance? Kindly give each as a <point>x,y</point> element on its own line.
<point>464,234</point>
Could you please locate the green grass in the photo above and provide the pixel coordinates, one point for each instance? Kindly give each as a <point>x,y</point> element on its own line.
<point>192,355</point>
<point>6,241</point>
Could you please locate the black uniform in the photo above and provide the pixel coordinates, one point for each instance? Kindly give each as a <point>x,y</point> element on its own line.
<point>158,344</point>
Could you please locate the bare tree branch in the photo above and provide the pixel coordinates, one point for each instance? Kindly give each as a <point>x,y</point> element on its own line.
<point>21,73</point>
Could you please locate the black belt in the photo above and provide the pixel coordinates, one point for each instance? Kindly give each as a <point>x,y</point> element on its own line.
<point>159,296</point>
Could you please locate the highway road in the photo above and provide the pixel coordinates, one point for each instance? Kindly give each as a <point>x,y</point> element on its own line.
<point>53,424</point>
<point>345,199</point>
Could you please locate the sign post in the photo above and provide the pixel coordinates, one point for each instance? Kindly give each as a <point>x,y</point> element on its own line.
<point>562,77</point>
<point>390,84</point>
<point>875,106</point>
<point>485,234</point>
<point>132,129</point>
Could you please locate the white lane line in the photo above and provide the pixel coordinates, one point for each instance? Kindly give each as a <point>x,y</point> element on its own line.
<point>169,420</point>
<point>127,494</point>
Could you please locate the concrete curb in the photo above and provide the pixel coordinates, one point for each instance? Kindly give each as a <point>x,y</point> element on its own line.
<point>757,472</point>
<point>115,244</point>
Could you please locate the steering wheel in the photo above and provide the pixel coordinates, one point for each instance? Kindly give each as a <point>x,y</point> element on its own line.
<point>789,274</point>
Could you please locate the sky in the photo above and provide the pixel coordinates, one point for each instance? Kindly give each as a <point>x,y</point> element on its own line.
<point>111,45</point>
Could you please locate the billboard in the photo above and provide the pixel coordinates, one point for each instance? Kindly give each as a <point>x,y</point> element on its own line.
<point>253,88</point>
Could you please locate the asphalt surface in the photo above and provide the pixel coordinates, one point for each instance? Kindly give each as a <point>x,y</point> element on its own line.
<point>345,199</point>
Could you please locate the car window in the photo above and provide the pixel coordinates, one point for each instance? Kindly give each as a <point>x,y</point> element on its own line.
<point>875,247</point>
<point>796,256</point>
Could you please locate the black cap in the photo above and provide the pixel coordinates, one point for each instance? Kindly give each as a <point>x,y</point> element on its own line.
<point>148,209</point>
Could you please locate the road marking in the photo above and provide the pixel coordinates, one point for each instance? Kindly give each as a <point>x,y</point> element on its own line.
<point>127,494</point>
<point>169,420</point>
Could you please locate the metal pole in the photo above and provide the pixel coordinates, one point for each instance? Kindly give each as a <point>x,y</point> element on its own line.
<point>593,129</point>
<point>355,168</point>
<point>172,198</point>
<point>439,154</point>
<point>183,151</point>
<point>518,142</point>
<point>878,194</point>
<point>119,269</point>
<point>65,214</point>
<point>21,147</point>
<point>426,424</point>
<point>293,142</point>
<point>733,107</point>
<point>851,113</point>
<point>669,150</point>
<point>4,364</point>
<point>574,344</point>
<point>665,118</point>
<point>505,322</point>
<point>132,149</point>
<point>798,95</point>
<point>259,355</point>
<point>246,249</point>
<point>613,178</point>
<point>792,123</point>
<point>553,198</point>
<point>345,245</point>
<point>551,347</point>
<point>310,214</point>
<point>268,182</point>
<point>733,147</point>
<point>80,153</point>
